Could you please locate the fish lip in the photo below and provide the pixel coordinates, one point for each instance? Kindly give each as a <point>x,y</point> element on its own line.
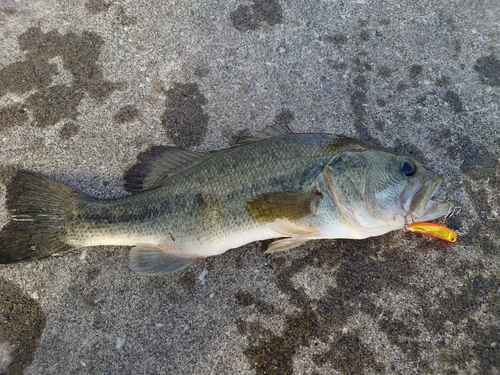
<point>435,210</point>
<point>418,204</point>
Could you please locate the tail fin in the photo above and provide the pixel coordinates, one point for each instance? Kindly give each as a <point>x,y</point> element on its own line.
<point>39,208</point>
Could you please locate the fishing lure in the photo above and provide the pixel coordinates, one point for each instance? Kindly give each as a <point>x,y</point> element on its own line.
<point>435,230</point>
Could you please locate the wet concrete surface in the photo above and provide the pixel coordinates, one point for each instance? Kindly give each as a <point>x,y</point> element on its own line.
<point>87,86</point>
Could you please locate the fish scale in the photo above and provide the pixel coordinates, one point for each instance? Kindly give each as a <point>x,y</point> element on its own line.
<point>155,213</point>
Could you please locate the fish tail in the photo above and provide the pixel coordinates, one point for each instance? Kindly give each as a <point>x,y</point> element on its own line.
<point>39,209</point>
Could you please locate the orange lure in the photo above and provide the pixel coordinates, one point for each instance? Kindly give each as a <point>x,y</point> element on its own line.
<point>433,230</point>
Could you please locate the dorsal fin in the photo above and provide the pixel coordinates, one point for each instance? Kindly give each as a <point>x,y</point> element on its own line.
<point>268,132</point>
<point>157,164</point>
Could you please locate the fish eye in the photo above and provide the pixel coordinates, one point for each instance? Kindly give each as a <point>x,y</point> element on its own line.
<point>408,168</point>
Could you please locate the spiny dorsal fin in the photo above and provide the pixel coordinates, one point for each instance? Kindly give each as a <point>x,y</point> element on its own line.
<point>157,164</point>
<point>268,207</point>
<point>268,132</point>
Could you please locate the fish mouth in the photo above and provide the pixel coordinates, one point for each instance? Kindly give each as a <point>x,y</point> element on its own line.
<point>418,204</point>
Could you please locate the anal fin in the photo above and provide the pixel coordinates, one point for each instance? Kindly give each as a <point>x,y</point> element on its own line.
<point>150,260</point>
<point>285,244</point>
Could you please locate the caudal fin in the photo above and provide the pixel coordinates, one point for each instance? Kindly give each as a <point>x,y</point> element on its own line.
<point>39,208</point>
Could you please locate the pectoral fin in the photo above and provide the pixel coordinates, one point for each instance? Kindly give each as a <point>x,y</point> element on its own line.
<point>150,260</point>
<point>289,229</point>
<point>267,208</point>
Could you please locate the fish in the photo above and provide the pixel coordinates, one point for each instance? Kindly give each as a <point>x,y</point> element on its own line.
<point>185,205</point>
<point>435,230</point>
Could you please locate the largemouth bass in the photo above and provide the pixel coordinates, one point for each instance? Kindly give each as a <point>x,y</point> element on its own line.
<point>188,205</point>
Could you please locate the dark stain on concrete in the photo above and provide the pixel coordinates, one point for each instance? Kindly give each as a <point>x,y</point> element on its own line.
<point>385,22</point>
<point>443,81</point>
<point>450,22</point>
<point>335,39</point>
<point>484,210</point>
<point>127,113</point>
<point>96,6</point>
<point>397,332</point>
<point>364,35</point>
<point>362,22</point>
<point>380,102</point>
<point>415,71</point>
<point>488,68</point>
<point>362,277</point>
<point>188,280</point>
<point>123,18</point>
<point>337,65</point>
<point>358,99</point>
<point>349,353</point>
<point>92,274</point>
<point>409,149</point>
<point>453,100</point>
<point>316,319</point>
<point>284,118</point>
<point>417,116</point>
<point>385,72</point>
<point>53,104</point>
<point>478,162</point>
<point>50,104</point>
<point>92,299</point>
<point>7,172</point>
<point>272,354</point>
<point>379,124</point>
<point>79,52</point>
<point>401,87</point>
<point>421,99</point>
<point>12,115</point>
<point>201,71</point>
<point>184,119</point>
<point>23,76</point>
<point>68,130</point>
<point>22,322</point>
<point>7,11</point>
<point>251,17</point>
<point>243,298</point>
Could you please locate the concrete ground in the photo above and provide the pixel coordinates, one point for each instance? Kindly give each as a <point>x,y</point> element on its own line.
<point>85,86</point>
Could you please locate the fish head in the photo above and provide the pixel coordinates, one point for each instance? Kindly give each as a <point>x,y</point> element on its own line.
<point>377,191</point>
